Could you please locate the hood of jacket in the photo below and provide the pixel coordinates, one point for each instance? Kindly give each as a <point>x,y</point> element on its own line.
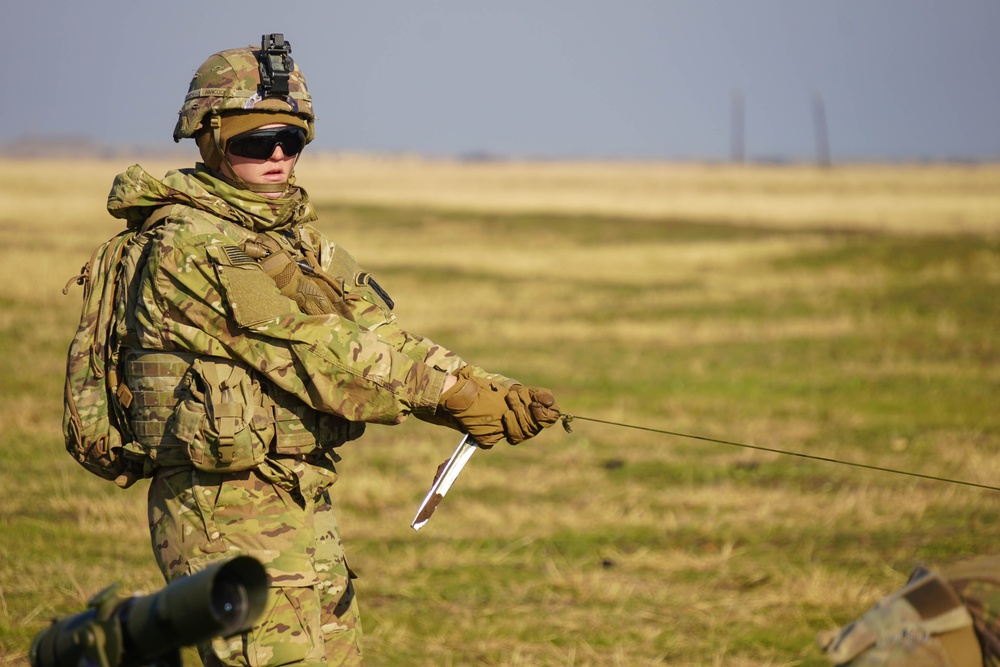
<point>135,194</point>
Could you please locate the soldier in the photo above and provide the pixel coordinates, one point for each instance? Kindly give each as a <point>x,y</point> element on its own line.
<point>255,347</point>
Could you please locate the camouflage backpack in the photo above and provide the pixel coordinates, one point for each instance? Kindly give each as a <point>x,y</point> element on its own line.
<point>95,427</point>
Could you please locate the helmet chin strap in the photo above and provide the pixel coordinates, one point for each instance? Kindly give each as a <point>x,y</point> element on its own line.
<point>229,175</point>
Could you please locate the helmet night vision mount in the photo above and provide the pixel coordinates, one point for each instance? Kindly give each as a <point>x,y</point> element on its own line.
<point>276,64</point>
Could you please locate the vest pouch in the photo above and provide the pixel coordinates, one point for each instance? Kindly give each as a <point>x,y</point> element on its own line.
<point>301,430</point>
<point>223,420</point>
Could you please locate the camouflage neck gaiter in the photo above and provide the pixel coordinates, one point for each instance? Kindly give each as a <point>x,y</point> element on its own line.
<point>135,194</point>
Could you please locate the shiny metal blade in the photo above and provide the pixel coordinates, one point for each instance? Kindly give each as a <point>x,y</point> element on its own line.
<point>446,475</point>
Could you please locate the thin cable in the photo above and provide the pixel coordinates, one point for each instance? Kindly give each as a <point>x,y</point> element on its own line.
<point>567,418</point>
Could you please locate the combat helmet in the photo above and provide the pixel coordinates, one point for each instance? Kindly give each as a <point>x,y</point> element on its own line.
<point>238,89</point>
<point>247,79</point>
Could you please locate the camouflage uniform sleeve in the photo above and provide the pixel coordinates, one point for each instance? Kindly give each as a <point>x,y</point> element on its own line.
<point>418,348</point>
<point>372,312</point>
<point>196,297</point>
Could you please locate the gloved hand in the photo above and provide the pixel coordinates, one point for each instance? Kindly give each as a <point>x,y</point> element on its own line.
<point>313,293</point>
<point>478,405</point>
<point>488,410</point>
<point>533,409</point>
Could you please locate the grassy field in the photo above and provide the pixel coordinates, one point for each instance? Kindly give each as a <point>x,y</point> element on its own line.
<point>848,313</point>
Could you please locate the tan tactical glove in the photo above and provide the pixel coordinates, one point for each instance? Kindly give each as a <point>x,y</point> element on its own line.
<point>488,410</point>
<point>533,410</point>
<point>312,293</point>
<point>478,405</point>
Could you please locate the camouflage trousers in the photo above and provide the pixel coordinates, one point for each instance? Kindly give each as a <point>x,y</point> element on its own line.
<point>311,618</point>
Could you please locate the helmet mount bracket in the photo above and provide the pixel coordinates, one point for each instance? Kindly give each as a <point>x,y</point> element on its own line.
<point>275,62</point>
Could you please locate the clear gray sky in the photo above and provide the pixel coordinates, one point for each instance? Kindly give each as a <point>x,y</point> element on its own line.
<point>652,79</point>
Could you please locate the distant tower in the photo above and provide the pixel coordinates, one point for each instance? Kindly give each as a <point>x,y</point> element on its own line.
<point>819,128</point>
<point>736,128</point>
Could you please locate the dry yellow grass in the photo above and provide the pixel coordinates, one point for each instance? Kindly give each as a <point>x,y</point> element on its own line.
<point>901,198</point>
<point>884,197</point>
<point>601,546</point>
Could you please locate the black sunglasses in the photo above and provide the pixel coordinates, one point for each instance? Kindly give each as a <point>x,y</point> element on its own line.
<point>260,144</point>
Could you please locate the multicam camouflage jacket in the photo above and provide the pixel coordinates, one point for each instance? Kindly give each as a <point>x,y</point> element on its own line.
<point>196,290</point>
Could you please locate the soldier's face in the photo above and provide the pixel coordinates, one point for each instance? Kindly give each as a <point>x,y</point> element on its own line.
<point>270,171</point>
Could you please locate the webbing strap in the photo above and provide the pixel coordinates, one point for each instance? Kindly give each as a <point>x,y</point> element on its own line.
<point>160,214</point>
<point>946,617</point>
<point>161,366</point>
<point>236,94</point>
<point>235,378</point>
<point>962,646</point>
<point>227,413</point>
<point>158,381</point>
<point>152,381</point>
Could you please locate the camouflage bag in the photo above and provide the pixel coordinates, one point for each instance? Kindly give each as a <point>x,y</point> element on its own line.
<point>95,401</point>
<point>977,582</point>
<point>93,421</point>
<point>930,622</point>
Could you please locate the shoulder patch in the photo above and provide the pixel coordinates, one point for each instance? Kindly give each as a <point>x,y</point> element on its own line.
<point>251,294</point>
<point>237,256</point>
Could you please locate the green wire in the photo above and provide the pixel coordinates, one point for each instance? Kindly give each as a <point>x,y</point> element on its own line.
<point>567,418</point>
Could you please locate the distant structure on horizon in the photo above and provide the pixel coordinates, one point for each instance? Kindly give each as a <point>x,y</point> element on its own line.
<point>737,130</point>
<point>819,129</point>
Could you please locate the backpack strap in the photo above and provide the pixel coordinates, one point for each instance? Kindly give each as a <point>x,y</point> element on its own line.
<point>157,216</point>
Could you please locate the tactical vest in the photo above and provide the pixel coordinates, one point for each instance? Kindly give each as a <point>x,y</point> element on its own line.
<point>220,415</point>
<point>216,414</point>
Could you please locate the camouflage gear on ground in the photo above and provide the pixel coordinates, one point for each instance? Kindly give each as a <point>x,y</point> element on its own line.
<point>946,619</point>
<point>977,582</point>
